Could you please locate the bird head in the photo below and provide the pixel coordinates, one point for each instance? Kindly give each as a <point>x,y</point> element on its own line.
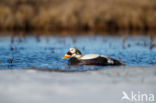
<point>72,52</point>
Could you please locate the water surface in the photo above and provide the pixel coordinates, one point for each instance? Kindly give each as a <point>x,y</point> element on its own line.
<point>46,52</point>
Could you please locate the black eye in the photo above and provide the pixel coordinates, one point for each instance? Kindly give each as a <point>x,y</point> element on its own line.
<point>69,53</point>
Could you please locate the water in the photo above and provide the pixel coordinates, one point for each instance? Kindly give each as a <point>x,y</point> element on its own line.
<point>46,52</point>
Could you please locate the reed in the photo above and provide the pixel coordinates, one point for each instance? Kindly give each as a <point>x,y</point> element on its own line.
<point>85,15</point>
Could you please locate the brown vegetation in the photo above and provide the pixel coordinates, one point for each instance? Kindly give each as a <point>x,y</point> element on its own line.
<point>86,15</point>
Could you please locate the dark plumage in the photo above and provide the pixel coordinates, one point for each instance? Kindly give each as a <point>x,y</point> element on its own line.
<point>100,61</point>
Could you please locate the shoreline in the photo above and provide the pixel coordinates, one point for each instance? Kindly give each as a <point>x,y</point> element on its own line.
<point>77,71</point>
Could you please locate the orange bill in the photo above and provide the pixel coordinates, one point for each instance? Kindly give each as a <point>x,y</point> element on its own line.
<point>66,56</point>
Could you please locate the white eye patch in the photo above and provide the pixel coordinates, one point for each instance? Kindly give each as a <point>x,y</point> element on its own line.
<point>72,50</point>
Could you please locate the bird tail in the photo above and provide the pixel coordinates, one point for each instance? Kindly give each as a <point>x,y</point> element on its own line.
<point>122,63</point>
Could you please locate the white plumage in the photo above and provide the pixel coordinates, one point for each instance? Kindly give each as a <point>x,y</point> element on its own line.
<point>90,56</point>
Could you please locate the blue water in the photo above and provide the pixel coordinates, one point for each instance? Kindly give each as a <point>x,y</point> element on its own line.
<point>46,52</point>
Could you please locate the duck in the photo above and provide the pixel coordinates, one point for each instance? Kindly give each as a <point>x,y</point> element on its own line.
<point>76,58</point>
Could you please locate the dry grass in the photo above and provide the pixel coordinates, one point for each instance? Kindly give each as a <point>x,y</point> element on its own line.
<point>85,15</point>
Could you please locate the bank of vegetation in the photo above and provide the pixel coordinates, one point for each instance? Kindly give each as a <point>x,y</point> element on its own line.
<point>85,15</point>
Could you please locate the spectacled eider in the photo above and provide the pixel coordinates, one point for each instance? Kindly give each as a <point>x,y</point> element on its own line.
<point>89,59</point>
